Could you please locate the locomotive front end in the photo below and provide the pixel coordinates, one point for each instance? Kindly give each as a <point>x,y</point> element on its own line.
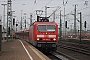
<point>47,36</point>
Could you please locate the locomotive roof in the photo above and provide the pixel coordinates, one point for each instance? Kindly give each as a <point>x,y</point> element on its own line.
<point>45,23</point>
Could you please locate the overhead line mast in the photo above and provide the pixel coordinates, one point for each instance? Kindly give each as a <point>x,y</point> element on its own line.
<point>9,18</point>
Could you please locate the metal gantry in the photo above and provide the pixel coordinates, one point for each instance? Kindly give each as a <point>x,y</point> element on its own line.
<point>64,4</point>
<point>9,18</point>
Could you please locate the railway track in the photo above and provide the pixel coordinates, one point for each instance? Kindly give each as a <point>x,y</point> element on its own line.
<point>81,48</point>
<point>56,56</point>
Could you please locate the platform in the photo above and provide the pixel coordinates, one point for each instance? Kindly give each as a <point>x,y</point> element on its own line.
<point>20,50</point>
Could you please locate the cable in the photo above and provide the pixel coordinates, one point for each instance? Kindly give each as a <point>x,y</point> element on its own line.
<point>3,1</point>
<point>83,8</point>
<point>35,2</point>
<point>46,4</point>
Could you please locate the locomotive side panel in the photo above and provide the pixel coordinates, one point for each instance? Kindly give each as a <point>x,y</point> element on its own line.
<point>56,32</point>
<point>32,35</point>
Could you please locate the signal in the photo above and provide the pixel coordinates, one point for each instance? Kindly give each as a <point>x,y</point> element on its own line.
<point>13,21</point>
<point>37,18</point>
<point>66,24</point>
<point>8,30</point>
<point>16,24</point>
<point>85,24</point>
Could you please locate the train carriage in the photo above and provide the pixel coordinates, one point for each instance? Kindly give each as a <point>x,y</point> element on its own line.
<point>20,34</point>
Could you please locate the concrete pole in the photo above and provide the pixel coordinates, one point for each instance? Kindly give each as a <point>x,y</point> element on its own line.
<point>30,19</point>
<point>4,14</point>
<point>4,20</point>
<point>25,22</point>
<point>54,17</point>
<point>64,21</point>
<point>80,26</point>
<point>45,11</point>
<point>60,30</point>
<point>0,36</point>
<point>21,19</point>
<point>75,21</point>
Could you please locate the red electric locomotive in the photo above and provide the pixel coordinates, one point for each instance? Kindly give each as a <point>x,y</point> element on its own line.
<point>43,34</point>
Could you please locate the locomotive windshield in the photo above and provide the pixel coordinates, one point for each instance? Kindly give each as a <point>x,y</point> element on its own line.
<point>46,28</point>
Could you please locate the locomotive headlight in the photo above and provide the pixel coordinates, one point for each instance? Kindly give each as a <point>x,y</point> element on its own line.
<point>38,39</point>
<point>54,39</point>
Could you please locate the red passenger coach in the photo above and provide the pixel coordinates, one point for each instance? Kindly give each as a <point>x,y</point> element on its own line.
<point>20,34</point>
<point>26,34</point>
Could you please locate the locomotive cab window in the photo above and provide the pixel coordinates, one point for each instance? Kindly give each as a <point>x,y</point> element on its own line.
<point>51,28</point>
<point>41,27</point>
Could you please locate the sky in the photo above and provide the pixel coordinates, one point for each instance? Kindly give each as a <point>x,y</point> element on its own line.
<point>30,6</point>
